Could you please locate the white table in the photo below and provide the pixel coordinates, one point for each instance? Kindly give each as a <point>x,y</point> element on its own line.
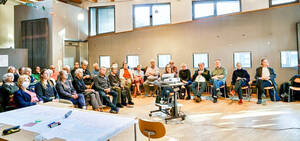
<point>80,125</point>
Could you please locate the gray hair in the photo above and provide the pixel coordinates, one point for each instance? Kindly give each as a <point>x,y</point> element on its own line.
<point>201,63</point>
<point>78,71</point>
<point>85,62</point>
<point>27,70</point>
<point>7,75</point>
<point>11,67</point>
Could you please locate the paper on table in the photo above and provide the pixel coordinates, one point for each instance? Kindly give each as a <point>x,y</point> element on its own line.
<point>81,125</point>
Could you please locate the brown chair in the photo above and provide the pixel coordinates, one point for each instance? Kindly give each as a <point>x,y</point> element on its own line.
<point>151,129</point>
<point>292,89</point>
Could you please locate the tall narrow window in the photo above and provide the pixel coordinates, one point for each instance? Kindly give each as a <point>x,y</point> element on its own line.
<point>163,60</point>
<point>289,59</point>
<point>151,15</point>
<point>106,20</point>
<point>242,57</point>
<point>104,61</point>
<point>93,21</point>
<point>200,58</point>
<point>132,61</point>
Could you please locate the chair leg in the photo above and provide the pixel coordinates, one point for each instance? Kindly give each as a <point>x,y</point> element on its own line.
<point>289,95</point>
<point>274,95</point>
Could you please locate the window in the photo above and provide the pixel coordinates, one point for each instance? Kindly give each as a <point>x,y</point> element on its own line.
<point>244,58</point>
<point>200,58</point>
<point>289,59</point>
<point>228,6</point>
<point>280,2</point>
<point>132,61</point>
<point>163,60</point>
<point>102,20</point>
<point>207,8</point>
<point>104,61</point>
<point>151,15</point>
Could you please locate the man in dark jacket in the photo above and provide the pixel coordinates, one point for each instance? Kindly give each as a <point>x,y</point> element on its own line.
<point>185,78</point>
<point>102,85</point>
<point>200,79</point>
<point>240,78</point>
<point>265,77</point>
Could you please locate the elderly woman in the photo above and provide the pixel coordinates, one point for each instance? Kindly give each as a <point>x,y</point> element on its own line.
<point>45,89</point>
<point>9,88</point>
<point>126,76</point>
<point>36,73</point>
<point>12,69</point>
<point>138,79</point>
<point>68,71</point>
<point>24,97</point>
<point>67,91</point>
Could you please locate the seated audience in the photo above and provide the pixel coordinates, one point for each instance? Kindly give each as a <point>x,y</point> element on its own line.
<point>96,69</point>
<point>240,78</point>
<point>87,77</point>
<point>265,77</point>
<point>13,70</point>
<point>152,75</point>
<point>167,90</point>
<point>138,80</point>
<point>52,80</point>
<point>296,94</point>
<point>185,78</point>
<point>36,73</point>
<point>8,89</point>
<point>24,97</point>
<point>218,79</point>
<point>126,77</point>
<point>45,89</point>
<point>54,72</point>
<point>200,79</point>
<point>174,68</point>
<point>66,91</point>
<point>27,71</point>
<point>102,85</point>
<point>21,70</point>
<point>67,69</point>
<point>76,66</point>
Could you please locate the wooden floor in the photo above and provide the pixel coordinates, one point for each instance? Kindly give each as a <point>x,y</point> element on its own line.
<point>223,121</point>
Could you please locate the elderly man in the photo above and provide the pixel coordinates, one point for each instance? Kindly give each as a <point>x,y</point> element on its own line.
<point>185,78</point>
<point>87,77</point>
<point>265,77</point>
<point>200,79</point>
<point>240,78</point>
<point>76,66</point>
<point>96,69</point>
<point>102,85</point>
<point>152,74</point>
<point>218,79</point>
<point>173,67</point>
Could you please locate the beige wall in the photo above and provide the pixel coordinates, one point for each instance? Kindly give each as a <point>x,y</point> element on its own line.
<point>266,33</point>
<point>7,25</point>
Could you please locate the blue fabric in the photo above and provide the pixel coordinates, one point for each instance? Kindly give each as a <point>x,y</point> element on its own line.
<point>22,99</point>
<point>166,92</point>
<point>80,101</point>
<point>106,99</point>
<point>216,85</point>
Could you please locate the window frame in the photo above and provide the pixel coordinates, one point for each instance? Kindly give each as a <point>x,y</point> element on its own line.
<point>132,55</point>
<point>99,7</point>
<point>104,56</point>
<point>158,59</point>
<point>271,5</point>
<point>199,62</point>
<point>281,58</point>
<point>215,8</point>
<point>234,64</point>
<point>151,14</point>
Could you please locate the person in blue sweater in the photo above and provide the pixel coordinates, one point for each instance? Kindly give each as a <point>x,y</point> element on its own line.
<point>24,97</point>
<point>45,89</point>
<point>240,78</point>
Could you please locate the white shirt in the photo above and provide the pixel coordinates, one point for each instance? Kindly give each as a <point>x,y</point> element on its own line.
<point>265,72</point>
<point>200,78</point>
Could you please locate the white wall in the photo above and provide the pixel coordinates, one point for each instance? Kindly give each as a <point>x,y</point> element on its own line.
<point>7,25</point>
<point>181,10</point>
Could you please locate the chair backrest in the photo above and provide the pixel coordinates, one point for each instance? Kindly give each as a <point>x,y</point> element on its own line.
<point>297,80</point>
<point>157,128</point>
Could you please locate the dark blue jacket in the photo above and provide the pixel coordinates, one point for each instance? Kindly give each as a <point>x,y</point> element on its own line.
<point>22,99</point>
<point>240,73</point>
<point>46,93</point>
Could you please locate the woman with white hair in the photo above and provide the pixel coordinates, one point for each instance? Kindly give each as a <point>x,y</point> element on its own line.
<point>13,70</point>
<point>9,88</point>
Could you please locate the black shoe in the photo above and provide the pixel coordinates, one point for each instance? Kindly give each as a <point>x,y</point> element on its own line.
<point>130,103</point>
<point>114,110</point>
<point>188,98</point>
<point>119,105</point>
<point>259,101</point>
<point>215,100</point>
<point>124,104</point>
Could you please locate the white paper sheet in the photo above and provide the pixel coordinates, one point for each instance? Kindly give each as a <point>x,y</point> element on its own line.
<point>3,60</point>
<point>80,126</point>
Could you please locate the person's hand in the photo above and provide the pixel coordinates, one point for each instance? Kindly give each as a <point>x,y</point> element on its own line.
<point>122,86</point>
<point>55,100</point>
<point>75,96</point>
<point>199,72</point>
